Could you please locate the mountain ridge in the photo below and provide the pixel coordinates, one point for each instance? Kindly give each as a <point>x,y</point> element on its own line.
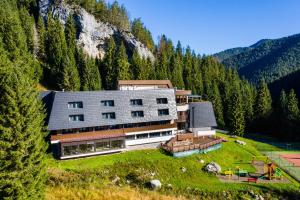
<point>267,59</point>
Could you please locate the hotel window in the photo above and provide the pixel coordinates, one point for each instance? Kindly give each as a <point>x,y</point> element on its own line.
<point>166,133</point>
<point>162,112</point>
<point>110,115</point>
<point>130,137</point>
<point>76,118</point>
<point>157,134</point>
<point>162,101</point>
<point>77,104</point>
<point>137,113</point>
<point>136,102</point>
<point>142,136</point>
<point>108,103</point>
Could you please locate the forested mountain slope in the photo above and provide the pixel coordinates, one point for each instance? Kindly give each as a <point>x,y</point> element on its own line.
<point>267,59</point>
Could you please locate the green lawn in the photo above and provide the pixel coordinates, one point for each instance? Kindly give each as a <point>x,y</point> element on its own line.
<point>143,165</point>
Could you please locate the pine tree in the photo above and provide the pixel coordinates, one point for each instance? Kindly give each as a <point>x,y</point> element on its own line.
<point>122,64</point>
<point>263,104</point>
<point>248,99</point>
<point>236,123</point>
<point>27,22</point>
<point>176,72</point>
<point>91,79</point>
<point>56,49</point>
<point>292,107</point>
<point>22,149</point>
<point>161,66</point>
<point>70,80</point>
<point>108,70</point>
<point>42,38</point>
<point>283,102</point>
<point>187,69</point>
<point>136,65</point>
<point>215,98</point>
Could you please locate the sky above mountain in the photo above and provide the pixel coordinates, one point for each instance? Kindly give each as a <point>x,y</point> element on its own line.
<point>210,26</point>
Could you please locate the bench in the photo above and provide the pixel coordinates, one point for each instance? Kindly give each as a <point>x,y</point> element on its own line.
<point>252,180</point>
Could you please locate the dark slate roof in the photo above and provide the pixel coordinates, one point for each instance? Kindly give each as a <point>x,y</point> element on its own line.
<point>47,98</point>
<point>92,109</point>
<point>202,115</point>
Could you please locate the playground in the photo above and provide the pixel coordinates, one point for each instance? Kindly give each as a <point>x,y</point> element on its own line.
<point>266,172</point>
<point>289,161</point>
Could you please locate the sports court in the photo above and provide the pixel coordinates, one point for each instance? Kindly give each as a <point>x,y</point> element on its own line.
<point>292,158</point>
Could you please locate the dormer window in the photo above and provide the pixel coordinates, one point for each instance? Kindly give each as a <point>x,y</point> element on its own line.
<point>108,103</point>
<point>76,118</point>
<point>136,102</point>
<point>75,104</point>
<point>162,101</point>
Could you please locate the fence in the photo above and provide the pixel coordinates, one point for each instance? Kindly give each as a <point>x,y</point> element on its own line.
<point>287,166</point>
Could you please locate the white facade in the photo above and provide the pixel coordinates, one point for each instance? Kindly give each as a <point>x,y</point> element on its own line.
<point>146,137</point>
<point>203,131</point>
<point>134,87</point>
<point>182,108</point>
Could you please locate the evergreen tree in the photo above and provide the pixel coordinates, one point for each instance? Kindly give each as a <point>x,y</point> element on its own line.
<point>22,149</point>
<point>161,66</point>
<point>215,98</point>
<point>27,22</point>
<point>187,69</point>
<point>248,99</point>
<point>263,104</point>
<point>42,38</point>
<point>236,123</point>
<point>56,50</point>
<point>176,72</point>
<point>122,64</point>
<point>70,78</point>
<point>108,70</point>
<point>91,79</point>
<point>283,102</point>
<point>136,65</point>
<point>292,107</point>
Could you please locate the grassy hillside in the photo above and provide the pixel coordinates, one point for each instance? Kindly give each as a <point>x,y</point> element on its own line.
<point>136,168</point>
<point>268,59</point>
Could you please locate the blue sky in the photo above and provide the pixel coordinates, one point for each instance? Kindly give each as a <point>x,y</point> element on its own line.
<point>210,26</point>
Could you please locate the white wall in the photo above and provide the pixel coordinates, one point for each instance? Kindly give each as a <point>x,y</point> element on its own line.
<point>149,139</point>
<point>127,87</point>
<point>182,108</point>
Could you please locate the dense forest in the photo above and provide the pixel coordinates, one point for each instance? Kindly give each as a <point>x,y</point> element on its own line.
<point>267,59</point>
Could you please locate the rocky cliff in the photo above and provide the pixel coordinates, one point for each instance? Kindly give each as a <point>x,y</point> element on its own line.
<point>93,34</point>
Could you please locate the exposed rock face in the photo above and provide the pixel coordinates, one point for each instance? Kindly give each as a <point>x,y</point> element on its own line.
<point>93,34</point>
<point>155,184</point>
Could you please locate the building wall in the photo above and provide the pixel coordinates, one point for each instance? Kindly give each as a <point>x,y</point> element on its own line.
<point>149,139</point>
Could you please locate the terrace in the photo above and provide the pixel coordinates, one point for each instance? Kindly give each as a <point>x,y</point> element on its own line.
<point>187,144</point>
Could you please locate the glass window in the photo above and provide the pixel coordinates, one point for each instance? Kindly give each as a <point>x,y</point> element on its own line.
<point>162,101</point>
<point>136,102</point>
<point>76,118</point>
<point>76,104</point>
<point>137,113</point>
<point>154,134</point>
<point>141,136</point>
<point>110,115</point>
<point>130,137</point>
<point>166,133</point>
<point>162,112</point>
<point>86,148</point>
<point>117,144</point>
<point>108,103</point>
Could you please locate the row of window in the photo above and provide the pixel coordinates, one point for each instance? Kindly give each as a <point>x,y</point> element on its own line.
<point>93,146</point>
<point>112,115</point>
<point>148,135</point>
<point>111,103</point>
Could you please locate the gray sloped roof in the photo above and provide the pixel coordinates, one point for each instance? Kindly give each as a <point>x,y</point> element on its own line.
<point>92,109</point>
<point>202,115</point>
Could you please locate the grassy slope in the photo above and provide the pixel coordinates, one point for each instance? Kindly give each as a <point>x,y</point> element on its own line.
<point>138,166</point>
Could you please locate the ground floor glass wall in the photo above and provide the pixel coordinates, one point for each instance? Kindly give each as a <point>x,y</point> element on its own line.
<point>69,149</point>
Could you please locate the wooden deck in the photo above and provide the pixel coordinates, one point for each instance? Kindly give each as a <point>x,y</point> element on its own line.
<point>187,142</point>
